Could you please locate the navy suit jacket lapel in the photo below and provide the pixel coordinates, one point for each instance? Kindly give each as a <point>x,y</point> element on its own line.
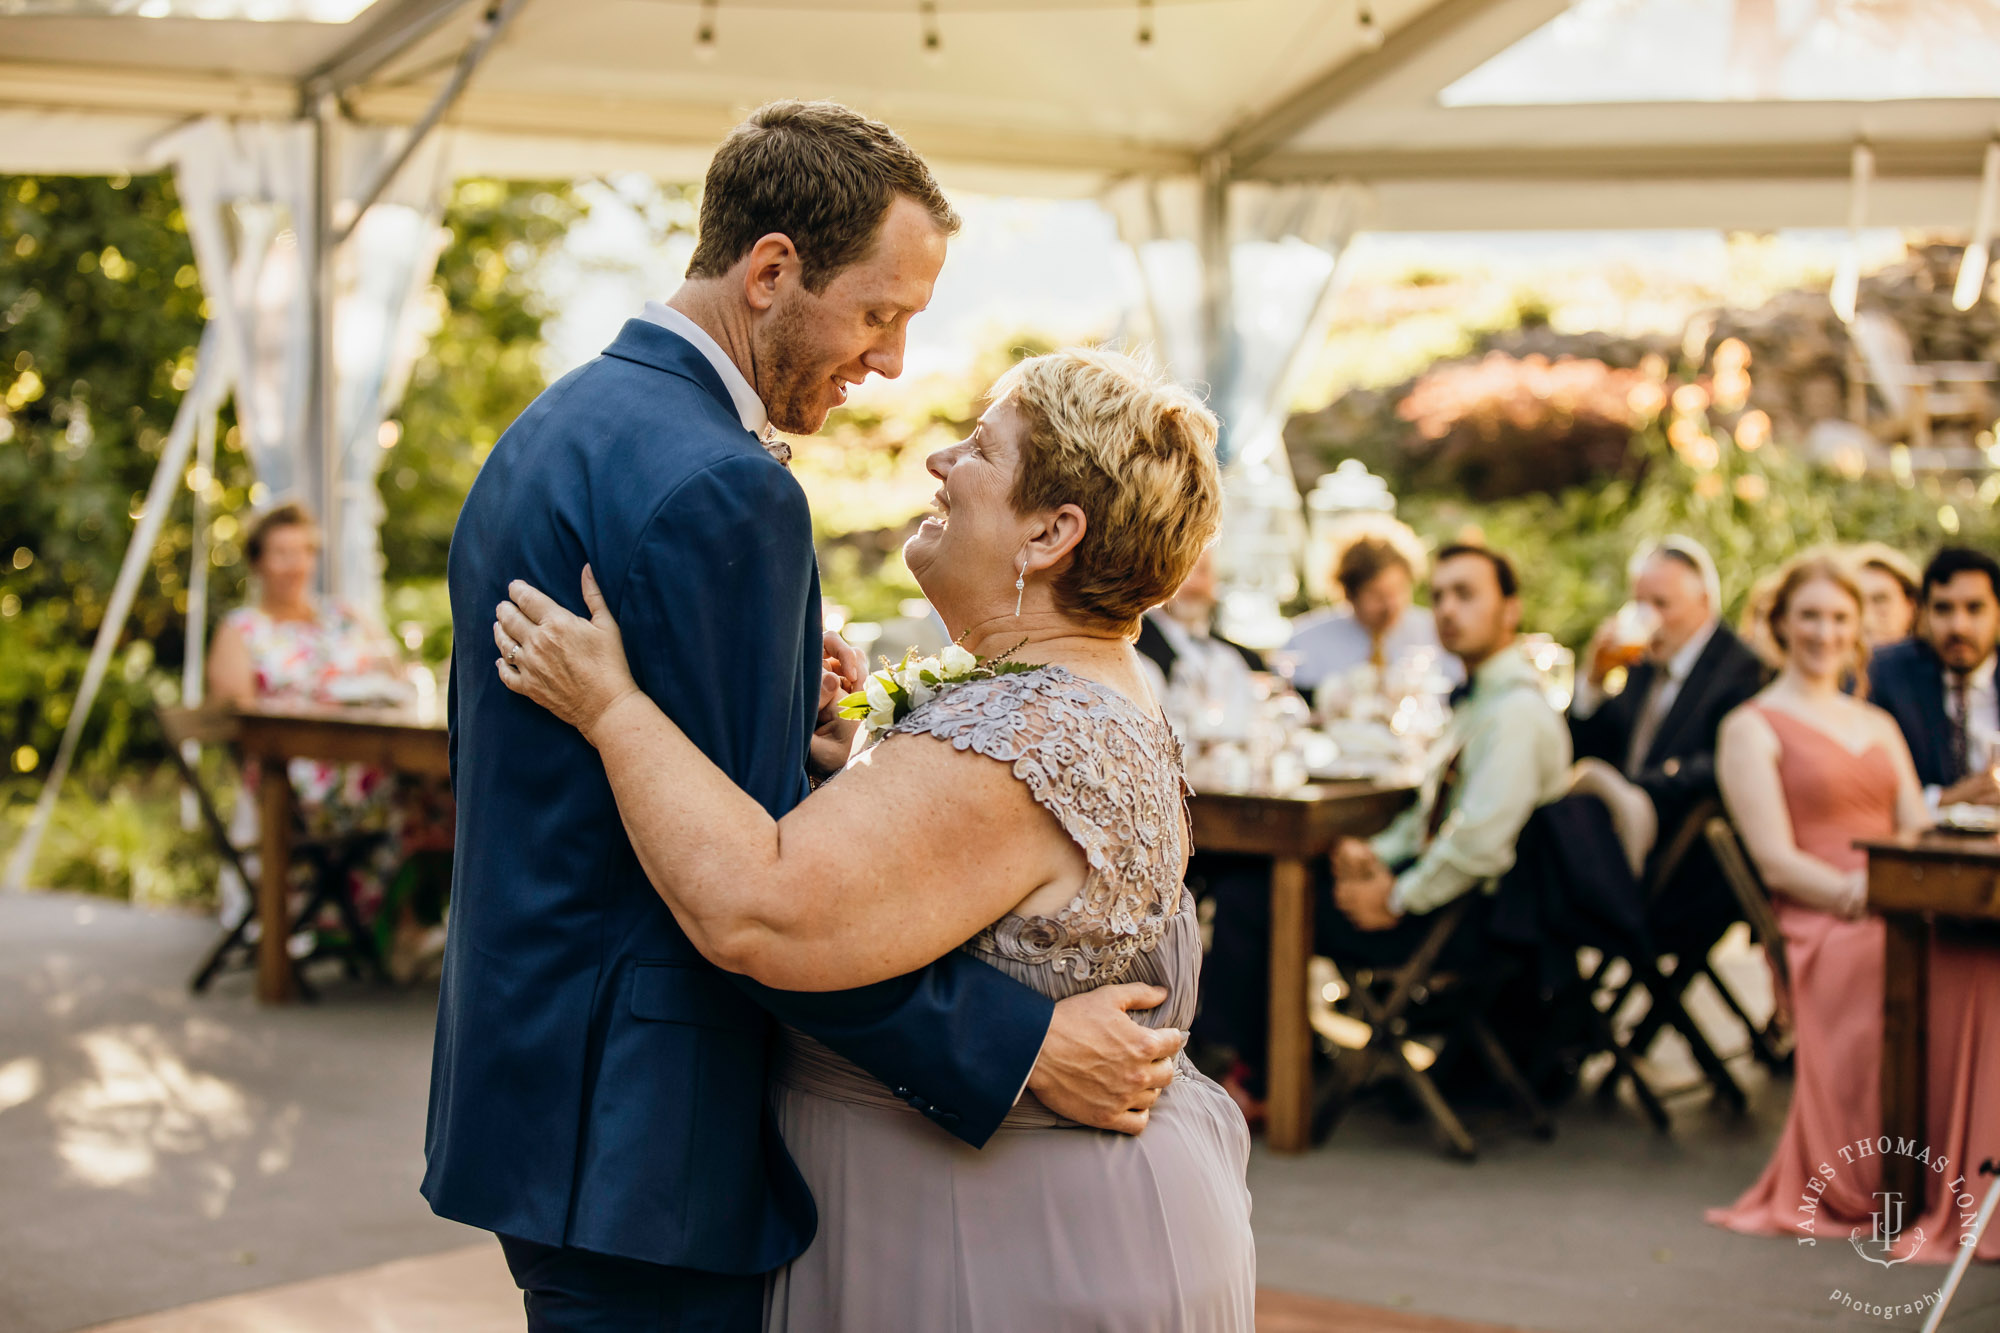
<point>654,345</point>
<point>1700,677</point>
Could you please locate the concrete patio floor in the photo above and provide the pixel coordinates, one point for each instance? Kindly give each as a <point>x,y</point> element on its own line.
<point>165,1153</point>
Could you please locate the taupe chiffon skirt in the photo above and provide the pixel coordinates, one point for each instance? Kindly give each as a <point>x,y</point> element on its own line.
<point>1050,1227</point>
<point>1046,1228</point>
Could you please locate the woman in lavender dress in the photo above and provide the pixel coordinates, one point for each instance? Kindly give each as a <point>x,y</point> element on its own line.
<point>1036,819</point>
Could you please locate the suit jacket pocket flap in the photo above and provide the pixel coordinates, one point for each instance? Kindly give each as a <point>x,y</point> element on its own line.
<point>691,993</point>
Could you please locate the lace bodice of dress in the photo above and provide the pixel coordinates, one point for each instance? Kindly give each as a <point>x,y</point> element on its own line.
<point>1109,770</point>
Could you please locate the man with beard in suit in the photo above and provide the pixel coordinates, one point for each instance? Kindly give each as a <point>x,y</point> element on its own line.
<point>1938,684</point>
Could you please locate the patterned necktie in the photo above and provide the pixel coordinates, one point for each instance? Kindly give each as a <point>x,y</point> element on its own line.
<point>1959,739</point>
<point>775,445</point>
<point>1441,805</point>
<point>1646,727</point>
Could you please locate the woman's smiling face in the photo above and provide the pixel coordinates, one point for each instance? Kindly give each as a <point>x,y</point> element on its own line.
<point>963,555</point>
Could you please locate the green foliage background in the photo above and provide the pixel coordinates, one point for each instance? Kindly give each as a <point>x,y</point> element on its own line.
<point>100,313</point>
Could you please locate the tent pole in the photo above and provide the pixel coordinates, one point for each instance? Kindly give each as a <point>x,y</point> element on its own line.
<point>1217,317</point>
<point>495,20</point>
<point>194,654</point>
<point>202,396</point>
<point>322,444</point>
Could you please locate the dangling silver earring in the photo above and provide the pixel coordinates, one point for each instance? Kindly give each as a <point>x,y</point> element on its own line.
<point>1020,588</point>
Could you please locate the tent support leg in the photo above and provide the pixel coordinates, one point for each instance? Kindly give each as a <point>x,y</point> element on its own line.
<point>202,396</point>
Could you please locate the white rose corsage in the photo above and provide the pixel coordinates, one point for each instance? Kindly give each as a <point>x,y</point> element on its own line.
<point>901,688</point>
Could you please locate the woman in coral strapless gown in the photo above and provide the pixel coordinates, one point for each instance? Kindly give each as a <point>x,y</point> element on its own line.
<point>1805,770</point>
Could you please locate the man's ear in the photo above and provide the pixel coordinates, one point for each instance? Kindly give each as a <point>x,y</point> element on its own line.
<point>1055,537</point>
<point>769,260</point>
<point>1510,615</point>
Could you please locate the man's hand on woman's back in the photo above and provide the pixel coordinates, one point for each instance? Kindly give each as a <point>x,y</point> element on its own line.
<point>1101,1068</point>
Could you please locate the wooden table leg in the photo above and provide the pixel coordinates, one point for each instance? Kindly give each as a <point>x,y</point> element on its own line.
<point>1905,1046</point>
<point>275,809</point>
<point>1289,1062</point>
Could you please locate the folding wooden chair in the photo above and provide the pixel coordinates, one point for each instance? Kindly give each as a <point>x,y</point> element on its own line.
<point>1418,999</point>
<point>1665,988</point>
<point>329,861</point>
<point>1772,1040</point>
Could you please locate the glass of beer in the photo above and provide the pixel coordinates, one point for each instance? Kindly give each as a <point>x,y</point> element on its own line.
<point>1632,629</point>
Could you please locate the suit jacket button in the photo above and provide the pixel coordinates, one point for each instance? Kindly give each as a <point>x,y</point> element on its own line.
<point>947,1117</point>
<point>902,1092</point>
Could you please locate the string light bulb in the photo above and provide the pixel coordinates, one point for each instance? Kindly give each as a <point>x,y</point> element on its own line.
<point>704,33</point>
<point>933,37</point>
<point>1366,28</point>
<point>1145,35</point>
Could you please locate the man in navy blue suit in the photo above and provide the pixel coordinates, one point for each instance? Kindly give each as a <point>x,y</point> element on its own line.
<point>597,1092</point>
<point>1939,686</point>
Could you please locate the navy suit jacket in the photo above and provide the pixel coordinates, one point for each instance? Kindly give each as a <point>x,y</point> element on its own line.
<point>1678,769</point>
<point>596,1082</point>
<point>1907,679</point>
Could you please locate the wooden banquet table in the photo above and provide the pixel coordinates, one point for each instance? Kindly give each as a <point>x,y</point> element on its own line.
<point>1914,881</point>
<point>393,739</point>
<point>1293,831</point>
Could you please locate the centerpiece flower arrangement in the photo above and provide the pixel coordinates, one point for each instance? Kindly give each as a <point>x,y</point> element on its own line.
<point>901,688</point>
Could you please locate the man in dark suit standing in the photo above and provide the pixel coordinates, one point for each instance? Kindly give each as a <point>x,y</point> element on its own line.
<point>598,1088</point>
<point>1938,684</point>
<point>1650,749</point>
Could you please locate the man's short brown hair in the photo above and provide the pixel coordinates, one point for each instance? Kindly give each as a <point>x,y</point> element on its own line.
<point>817,172</point>
<point>285,514</point>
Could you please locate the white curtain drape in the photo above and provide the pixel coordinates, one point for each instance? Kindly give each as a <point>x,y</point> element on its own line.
<point>1284,244</point>
<point>1160,221</point>
<point>380,274</point>
<point>246,190</point>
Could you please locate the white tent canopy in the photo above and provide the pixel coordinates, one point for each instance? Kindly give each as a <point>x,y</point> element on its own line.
<point>1053,96</point>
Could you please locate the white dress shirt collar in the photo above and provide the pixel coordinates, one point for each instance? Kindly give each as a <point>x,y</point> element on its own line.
<point>1682,662</point>
<point>1979,678</point>
<point>749,407</point>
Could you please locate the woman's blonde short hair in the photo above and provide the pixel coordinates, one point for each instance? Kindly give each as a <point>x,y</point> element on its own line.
<point>1135,452</point>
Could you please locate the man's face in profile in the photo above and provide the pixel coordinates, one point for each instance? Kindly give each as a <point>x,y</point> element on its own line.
<point>811,346</point>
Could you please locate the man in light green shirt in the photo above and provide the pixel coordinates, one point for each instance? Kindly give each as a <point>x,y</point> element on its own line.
<point>1504,753</point>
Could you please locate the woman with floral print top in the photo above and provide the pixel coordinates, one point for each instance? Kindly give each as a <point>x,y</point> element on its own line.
<point>289,646</point>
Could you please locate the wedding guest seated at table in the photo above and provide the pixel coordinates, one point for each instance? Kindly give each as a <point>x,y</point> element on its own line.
<point>1806,769</point>
<point>1939,685</point>
<point>1649,751</point>
<point>1372,623</point>
<point>1504,754</point>
<point>1890,587</point>
<point>1183,657</point>
<point>287,645</point>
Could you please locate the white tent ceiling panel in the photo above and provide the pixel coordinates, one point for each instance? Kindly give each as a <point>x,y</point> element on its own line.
<point>283,50</point>
<point>1746,204</point>
<point>1023,96</point>
<point>76,143</point>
